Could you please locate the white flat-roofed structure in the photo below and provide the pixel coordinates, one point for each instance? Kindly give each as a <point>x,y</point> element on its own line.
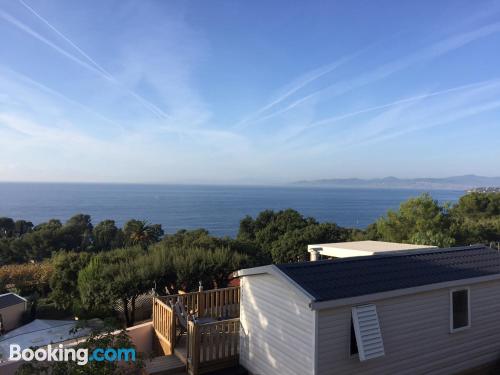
<point>359,248</point>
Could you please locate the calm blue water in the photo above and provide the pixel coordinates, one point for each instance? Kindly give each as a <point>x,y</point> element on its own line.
<point>216,208</point>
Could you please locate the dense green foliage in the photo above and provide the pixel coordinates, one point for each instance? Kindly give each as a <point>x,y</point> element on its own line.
<point>179,262</point>
<point>118,275</point>
<point>108,236</point>
<point>21,242</point>
<point>140,233</point>
<point>64,280</point>
<point>476,218</point>
<point>182,268</point>
<point>283,236</point>
<point>419,221</point>
<point>89,271</point>
<point>422,220</point>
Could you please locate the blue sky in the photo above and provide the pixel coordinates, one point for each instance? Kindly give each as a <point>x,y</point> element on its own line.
<point>247,91</point>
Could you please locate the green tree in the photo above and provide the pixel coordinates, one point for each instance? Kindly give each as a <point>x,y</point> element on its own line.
<point>478,205</point>
<point>76,234</point>
<point>269,226</point>
<point>119,275</point>
<point>283,236</point>
<point>222,262</point>
<point>476,219</point>
<point>192,238</point>
<point>419,221</point>
<point>192,266</point>
<point>163,272</point>
<point>141,233</point>
<point>292,246</point>
<point>7,256</point>
<point>6,227</point>
<point>182,268</point>
<point>246,231</point>
<point>22,227</point>
<point>64,279</point>
<point>42,241</point>
<point>369,233</point>
<point>107,236</point>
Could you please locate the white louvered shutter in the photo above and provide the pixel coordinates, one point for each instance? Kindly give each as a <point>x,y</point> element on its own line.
<point>367,331</point>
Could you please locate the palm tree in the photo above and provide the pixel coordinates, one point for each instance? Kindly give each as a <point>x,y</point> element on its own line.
<point>140,232</point>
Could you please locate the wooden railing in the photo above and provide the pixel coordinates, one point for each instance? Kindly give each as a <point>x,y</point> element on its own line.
<point>215,303</point>
<point>212,346</point>
<point>164,324</point>
<point>220,303</point>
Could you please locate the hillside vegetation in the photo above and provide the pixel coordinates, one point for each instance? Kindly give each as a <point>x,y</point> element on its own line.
<point>81,269</point>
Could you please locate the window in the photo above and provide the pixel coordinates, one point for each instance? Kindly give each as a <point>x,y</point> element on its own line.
<point>368,337</point>
<point>354,344</point>
<point>459,309</point>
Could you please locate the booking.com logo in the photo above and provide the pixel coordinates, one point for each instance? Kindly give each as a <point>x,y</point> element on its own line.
<point>61,354</point>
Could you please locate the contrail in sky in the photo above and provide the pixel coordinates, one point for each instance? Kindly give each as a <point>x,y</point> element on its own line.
<point>97,68</point>
<point>431,52</point>
<point>401,101</point>
<point>306,79</point>
<point>333,119</point>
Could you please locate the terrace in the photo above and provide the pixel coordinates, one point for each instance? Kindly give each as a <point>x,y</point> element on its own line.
<point>197,333</point>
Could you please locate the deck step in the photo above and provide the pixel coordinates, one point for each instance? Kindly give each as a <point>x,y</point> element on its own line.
<point>180,349</point>
<point>164,365</point>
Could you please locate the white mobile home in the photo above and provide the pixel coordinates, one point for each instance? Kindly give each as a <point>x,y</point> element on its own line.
<point>432,311</point>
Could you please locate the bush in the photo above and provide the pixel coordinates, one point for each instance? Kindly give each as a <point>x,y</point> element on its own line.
<point>26,279</point>
<point>47,309</point>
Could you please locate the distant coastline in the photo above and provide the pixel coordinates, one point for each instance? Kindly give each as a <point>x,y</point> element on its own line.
<point>465,183</point>
<point>488,189</point>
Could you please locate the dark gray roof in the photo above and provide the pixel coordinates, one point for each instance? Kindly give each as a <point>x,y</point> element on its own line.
<point>9,299</point>
<point>351,277</point>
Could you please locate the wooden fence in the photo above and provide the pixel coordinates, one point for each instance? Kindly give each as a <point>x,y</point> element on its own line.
<point>164,323</point>
<point>212,346</point>
<point>215,303</point>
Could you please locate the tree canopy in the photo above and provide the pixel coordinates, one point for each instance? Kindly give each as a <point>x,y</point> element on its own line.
<point>422,220</point>
<point>419,220</point>
<point>20,241</point>
<point>284,235</point>
<point>476,218</point>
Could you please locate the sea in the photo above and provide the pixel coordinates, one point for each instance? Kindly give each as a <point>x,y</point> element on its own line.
<point>218,209</point>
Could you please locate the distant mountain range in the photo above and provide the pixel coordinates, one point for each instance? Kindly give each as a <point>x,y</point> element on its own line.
<point>453,183</point>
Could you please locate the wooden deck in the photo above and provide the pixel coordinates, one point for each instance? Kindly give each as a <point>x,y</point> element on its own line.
<point>205,347</point>
<point>181,349</point>
<point>175,363</point>
<point>164,365</point>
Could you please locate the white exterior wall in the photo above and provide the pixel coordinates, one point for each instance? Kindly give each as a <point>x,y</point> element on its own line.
<point>416,334</point>
<point>277,328</point>
<point>12,315</point>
